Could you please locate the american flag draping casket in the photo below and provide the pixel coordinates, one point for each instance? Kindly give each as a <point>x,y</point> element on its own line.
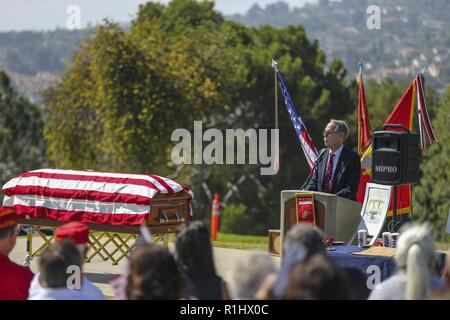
<point>98,197</point>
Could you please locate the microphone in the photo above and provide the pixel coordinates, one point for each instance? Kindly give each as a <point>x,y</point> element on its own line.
<point>319,157</point>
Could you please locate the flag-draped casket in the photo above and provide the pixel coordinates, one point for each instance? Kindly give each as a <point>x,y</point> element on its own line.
<point>118,199</point>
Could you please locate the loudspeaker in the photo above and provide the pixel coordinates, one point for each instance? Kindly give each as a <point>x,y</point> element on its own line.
<point>395,157</point>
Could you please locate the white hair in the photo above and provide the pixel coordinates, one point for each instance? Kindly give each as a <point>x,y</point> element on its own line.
<point>248,274</point>
<point>415,255</point>
<point>341,126</point>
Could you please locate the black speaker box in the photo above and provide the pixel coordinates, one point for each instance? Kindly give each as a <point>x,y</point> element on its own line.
<point>395,157</point>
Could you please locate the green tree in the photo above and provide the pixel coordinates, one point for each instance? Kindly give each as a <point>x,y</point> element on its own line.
<point>126,91</point>
<point>235,219</point>
<point>318,94</point>
<point>22,146</point>
<point>431,197</point>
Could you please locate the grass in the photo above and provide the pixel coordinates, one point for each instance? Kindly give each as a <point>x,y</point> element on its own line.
<point>237,241</point>
<point>245,242</point>
<point>226,240</point>
<point>444,246</point>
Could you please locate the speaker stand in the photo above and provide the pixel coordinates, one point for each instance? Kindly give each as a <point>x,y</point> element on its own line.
<point>394,223</point>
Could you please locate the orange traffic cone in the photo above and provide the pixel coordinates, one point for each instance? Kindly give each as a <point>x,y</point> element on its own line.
<point>215,217</point>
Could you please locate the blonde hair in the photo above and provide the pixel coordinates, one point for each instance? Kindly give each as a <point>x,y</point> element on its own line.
<point>415,255</point>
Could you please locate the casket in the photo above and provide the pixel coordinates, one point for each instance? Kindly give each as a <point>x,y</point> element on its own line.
<point>114,202</point>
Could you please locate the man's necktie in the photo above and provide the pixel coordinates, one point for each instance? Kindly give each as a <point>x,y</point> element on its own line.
<point>329,174</point>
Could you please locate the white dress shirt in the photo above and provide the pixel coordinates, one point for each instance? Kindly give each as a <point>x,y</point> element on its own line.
<point>88,291</point>
<point>337,154</point>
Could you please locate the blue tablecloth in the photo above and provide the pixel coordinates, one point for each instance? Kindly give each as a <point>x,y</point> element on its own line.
<point>344,258</point>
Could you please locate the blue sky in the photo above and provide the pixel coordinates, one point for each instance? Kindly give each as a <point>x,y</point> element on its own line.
<point>49,14</point>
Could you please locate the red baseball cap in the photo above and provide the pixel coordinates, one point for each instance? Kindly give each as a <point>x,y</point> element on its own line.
<point>8,217</point>
<point>76,231</point>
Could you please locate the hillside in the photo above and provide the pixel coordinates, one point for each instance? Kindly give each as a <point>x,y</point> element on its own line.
<point>34,59</point>
<point>414,35</point>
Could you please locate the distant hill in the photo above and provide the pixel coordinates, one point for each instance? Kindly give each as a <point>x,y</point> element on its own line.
<point>414,34</point>
<point>34,59</point>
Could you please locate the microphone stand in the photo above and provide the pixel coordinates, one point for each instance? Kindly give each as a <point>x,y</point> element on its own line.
<point>316,163</point>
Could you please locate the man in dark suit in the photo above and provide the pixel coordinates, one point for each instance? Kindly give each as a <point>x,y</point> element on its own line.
<point>337,168</point>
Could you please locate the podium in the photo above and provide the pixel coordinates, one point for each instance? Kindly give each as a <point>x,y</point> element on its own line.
<point>337,217</point>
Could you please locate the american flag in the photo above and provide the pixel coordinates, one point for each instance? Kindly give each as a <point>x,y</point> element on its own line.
<point>86,196</point>
<point>305,140</point>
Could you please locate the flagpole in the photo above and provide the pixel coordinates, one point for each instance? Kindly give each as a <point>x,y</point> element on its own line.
<point>361,66</point>
<point>276,93</point>
<point>277,159</point>
<point>360,147</point>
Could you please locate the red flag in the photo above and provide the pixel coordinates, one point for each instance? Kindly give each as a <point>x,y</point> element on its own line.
<point>364,131</point>
<point>403,111</point>
<point>364,140</point>
<point>403,114</point>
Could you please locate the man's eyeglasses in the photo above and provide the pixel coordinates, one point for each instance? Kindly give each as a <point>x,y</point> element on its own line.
<point>327,133</point>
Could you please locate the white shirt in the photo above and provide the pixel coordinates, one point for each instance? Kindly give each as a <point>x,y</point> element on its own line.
<point>394,288</point>
<point>337,154</point>
<point>88,291</point>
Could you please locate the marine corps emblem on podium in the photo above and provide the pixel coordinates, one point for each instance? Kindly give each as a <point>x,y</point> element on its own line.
<point>304,205</point>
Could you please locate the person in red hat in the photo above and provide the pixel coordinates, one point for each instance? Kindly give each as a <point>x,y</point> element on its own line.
<point>79,234</point>
<point>76,231</point>
<point>14,279</point>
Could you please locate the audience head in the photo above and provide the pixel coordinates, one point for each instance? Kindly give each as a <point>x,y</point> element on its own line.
<point>357,281</point>
<point>309,236</point>
<point>249,273</point>
<point>193,250</point>
<point>54,263</point>
<point>76,231</point>
<point>415,256</point>
<point>317,279</point>
<point>153,274</point>
<point>446,272</point>
<point>8,227</point>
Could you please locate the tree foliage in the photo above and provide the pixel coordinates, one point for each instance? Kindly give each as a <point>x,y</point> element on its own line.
<point>431,197</point>
<point>22,145</point>
<point>126,91</point>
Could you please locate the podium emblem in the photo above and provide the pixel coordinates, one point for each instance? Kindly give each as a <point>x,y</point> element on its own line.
<point>305,215</point>
<point>305,208</point>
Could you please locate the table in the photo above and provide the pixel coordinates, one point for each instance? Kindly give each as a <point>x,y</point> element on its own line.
<point>378,266</point>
